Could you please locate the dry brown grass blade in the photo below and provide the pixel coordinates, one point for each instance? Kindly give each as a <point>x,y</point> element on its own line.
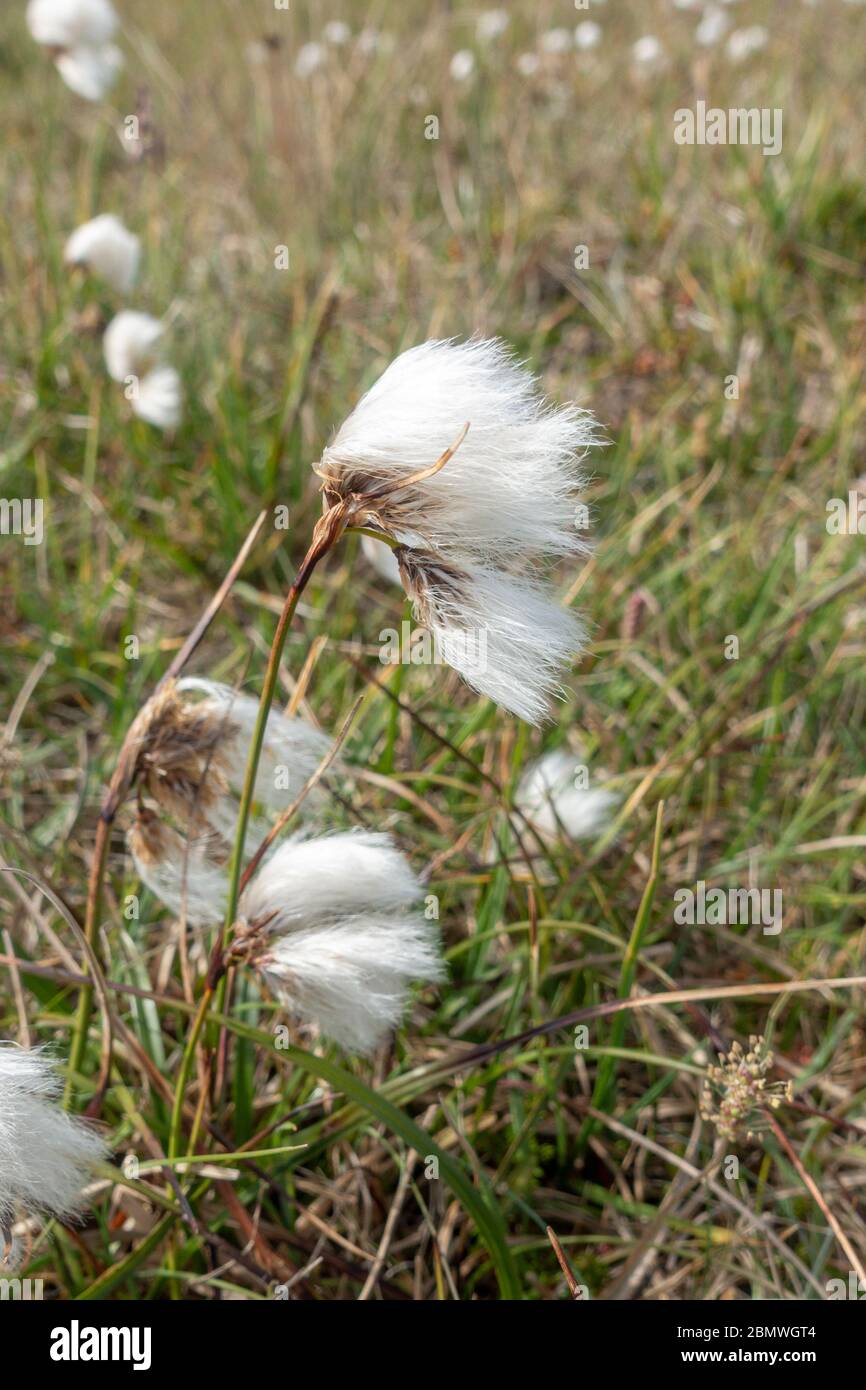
<point>814,1190</point>
<point>573,1285</point>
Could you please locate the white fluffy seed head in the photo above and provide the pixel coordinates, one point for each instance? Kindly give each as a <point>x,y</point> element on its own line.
<point>340,948</point>
<point>552,796</point>
<point>71,23</point>
<point>108,249</point>
<point>351,979</point>
<point>90,72</point>
<point>45,1154</point>
<point>159,398</point>
<point>506,636</point>
<point>511,483</point>
<point>131,343</point>
<point>332,876</point>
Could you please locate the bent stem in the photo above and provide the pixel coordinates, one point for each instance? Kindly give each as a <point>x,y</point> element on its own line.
<point>327,532</point>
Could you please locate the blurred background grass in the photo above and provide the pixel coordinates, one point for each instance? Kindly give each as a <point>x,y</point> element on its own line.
<point>709,516</point>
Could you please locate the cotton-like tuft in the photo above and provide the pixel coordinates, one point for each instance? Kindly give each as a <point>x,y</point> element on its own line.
<point>131,343</point>
<point>455,454</point>
<point>71,23</point>
<point>504,635</point>
<point>462,64</point>
<point>311,56</point>
<point>744,42</point>
<point>90,72</point>
<point>491,24</point>
<point>106,248</point>
<point>552,797</point>
<point>647,51</point>
<point>159,398</point>
<point>337,32</point>
<point>334,936</point>
<point>587,35</point>
<point>45,1154</point>
<point>78,34</point>
<point>511,482</point>
<point>187,873</point>
<point>712,27</point>
<point>351,980</point>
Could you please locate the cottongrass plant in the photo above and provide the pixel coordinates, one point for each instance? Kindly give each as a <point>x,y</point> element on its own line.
<point>78,34</point>
<point>455,461</point>
<point>45,1155</point>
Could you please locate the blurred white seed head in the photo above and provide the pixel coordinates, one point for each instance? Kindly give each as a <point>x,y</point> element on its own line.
<point>71,23</point>
<point>712,27</point>
<point>587,35</point>
<point>462,65</point>
<point>132,346</point>
<point>744,42</point>
<point>647,51</point>
<point>159,399</point>
<point>328,923</point>
<point>552,796</point>
<point>131,343</point>
<point>78,35</point>
<point>108,249</point>
<point>555,41</point>
<point>45,1154</point>
<point>337,32</point>
<point>310,57</point>
<point>491,24</point>
<point>90,72</point>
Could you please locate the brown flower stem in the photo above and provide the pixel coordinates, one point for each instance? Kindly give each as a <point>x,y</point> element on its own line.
<point>118,788</point>
<point>328,531</point>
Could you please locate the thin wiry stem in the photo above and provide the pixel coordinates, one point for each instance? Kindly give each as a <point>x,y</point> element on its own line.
<point>327,532</point>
